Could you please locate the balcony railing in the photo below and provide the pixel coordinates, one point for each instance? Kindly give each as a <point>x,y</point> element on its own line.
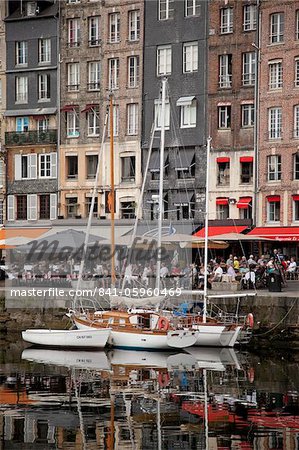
<point>30,137</point>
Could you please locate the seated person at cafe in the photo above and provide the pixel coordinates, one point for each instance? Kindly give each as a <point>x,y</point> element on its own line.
<point>217,273</point>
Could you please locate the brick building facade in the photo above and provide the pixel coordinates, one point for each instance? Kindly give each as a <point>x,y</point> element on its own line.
<point>2,109</point>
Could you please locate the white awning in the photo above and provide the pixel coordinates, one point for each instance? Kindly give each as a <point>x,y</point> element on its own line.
<point>185,101</point>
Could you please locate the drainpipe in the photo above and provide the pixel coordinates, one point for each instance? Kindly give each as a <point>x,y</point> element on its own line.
<point>256,45</point>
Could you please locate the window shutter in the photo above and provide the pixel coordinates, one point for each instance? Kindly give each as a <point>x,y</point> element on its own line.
<point>32,169</point>
<point>54,165</point>
<point>18,167</point>
<point>10,207</point>
<point>53,206</point>
<point>32,207</point>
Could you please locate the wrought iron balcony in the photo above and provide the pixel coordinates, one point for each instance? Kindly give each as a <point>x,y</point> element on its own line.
<point>30,137</point>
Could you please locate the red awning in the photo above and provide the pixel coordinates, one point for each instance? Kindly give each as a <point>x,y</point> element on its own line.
<point>223,159</point>
<point>87,108</point>
<point>222,201</point>
<point>244,202</point>
<point>215,231</point>
<point>290,234</point>
<point>68,108</point>
<point>246,159</point>
<point>273,198</point>
<point>295,197</point>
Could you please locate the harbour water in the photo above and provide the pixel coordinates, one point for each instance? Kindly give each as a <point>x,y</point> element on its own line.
<point>123,399</point>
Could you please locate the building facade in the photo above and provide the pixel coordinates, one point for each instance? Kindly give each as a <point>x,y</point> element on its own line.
<point>231,97</point>
<point>278,175</point>
<point>175,46</point>
<point>2,109</point>
<point>101,55</point>
<point>30,115</point>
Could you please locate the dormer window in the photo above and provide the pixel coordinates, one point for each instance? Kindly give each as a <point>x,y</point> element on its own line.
<point>31,9</point>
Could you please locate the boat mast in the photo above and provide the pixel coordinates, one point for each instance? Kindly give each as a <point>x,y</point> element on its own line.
<point>161,201</point>
<point>112,191</point>
<point>205,289</point>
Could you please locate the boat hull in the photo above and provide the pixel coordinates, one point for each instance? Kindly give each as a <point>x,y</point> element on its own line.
<point>216,335</point>
<point>68,338</point>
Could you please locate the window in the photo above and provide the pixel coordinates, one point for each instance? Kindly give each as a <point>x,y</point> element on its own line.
<point>44,206</point>
<point>276,28</point>
<point>275,75</point>
<point>94,75</point>
<point>113,73</point>
<point>247,113</point>
<point>94,31</point>
<point>72,207</point>
<point>132,119</point>
<point>158,110</point>
<point>249,17</point>
<point>248,75</point>
<point>188,114</point>
<point>296,121</point>
<point>225,71</point>
<point>134,25</point>
<point>21,89</point>
<point>1,211</point>
<point>21,53</point>
<point>274,167</point>
<point>226,20</point>
<point>297,72</point>
<point>25,166</point>
<point>185,172</point>
<point>190,57</point>
<point>192,8</point>
<point>224,117</point>
<point>93,121</point>
<point>127,210</point>
<point>165,10</point>
<point>222,212</point>
<point>223,175</point>
<point>184,211</point>
<point>295,210</point>
<point>95,206</point>
<point>73,1</point>
<point>72,167</point>
<point>43,125</point>
<point>21,207</point>
<point>73,32</point>
<point>72,123</point>
<point>296,166</point>
<point>44,51</point>
<point>133,71</point>
<point>275,123</point>
<point>164,60</point>
<point>91,166</point>
<point>114,22</point>
<point>44,87</point>
<point>48,165</point>
<point>128,168</point>
<point>246,172</point>
<point>115,121</point>
<point>273,211</point>
<point>22,124</point>
<point>73,76</point>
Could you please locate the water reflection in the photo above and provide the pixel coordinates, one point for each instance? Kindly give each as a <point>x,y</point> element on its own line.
<point>124,399</point>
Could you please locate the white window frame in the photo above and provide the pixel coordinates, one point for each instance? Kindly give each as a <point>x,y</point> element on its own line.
<point>113,73</point>
<point>114,27</point>
<point>93,122</point>
<point>226,20</point>
<point>190,57</point>
<point>248,68</point>
<point>277,28</point>
<point>296,81</point>
<point>273,212</point>
<point>21,89</point>
<point>44,87</point>
<point>31,164</point>
<point>192,8</point>
<point>48,165</point>
<point>296,122</point>
<point>297,24</point>
<point>222,212</point>
<point>73,76</point>
<point>189,115</point>
<point>94,31</point>
<point>225,112</point>
<point>164,60</point>
<point>296,166</point>
<point>274,168</point>
<point>275,123</point>
<point>275,75</point>
<point>72,124</point>
<point>134,25</point>
<point>225,71</point>
<point>133,71</point>
<point>247,114</point>
<point>249,17</point>
<point>295,210</point>
<point>165,9</point>
<point>158,110</point>
<point>73,31</point>
<point>44,51</point>
<point>21,53</point>
<point>94,75</point>
<point>132,119</point>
